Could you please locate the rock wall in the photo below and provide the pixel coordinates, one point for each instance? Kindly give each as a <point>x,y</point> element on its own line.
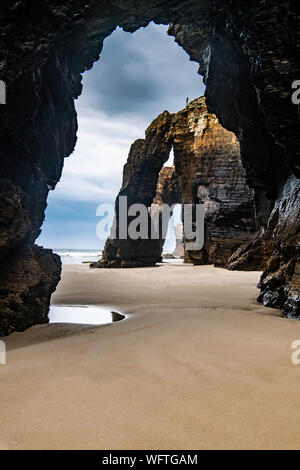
<point>248,59</point>
<point>27,281</point>
<point>208,162</point>
<point>248,54</point>
<point>38,130</point>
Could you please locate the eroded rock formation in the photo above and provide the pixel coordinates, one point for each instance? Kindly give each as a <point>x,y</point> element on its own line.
<point>208,161</point>
<point>280,281</point>
<point>248,54</point>
<point>140,177</point>
<point>208,169</point>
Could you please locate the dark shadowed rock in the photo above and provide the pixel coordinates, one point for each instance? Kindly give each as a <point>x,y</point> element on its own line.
<point>208,163</point>
<point>179,247</point>
<point>27,281</point>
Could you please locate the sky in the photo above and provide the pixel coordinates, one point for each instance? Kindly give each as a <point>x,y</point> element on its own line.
<point>138,76</point>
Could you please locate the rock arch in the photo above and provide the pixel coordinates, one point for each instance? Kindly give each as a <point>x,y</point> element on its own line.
<point>248,56</point>
<point>207,169</point>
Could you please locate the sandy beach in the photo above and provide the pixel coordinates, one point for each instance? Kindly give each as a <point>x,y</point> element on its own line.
<point>197,364</point>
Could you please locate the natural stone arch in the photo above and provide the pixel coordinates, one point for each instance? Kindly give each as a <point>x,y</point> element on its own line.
<point>43,53</point>
<point>207,169</point>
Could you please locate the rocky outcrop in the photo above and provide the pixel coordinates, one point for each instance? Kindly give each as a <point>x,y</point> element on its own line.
<point>252,255</point>
<point>208,163</point>
<point>38,129</point>
<point>27,281</point>
<point>249,61</point>
<point>208,170</point>
<point>247,52</point>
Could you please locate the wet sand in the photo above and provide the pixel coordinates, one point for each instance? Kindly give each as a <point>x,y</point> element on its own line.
<point>197,364</point>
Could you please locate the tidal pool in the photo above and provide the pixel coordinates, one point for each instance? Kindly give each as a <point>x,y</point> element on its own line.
<point>83,314</point>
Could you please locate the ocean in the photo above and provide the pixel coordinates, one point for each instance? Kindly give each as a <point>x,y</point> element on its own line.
<point>77,256</point>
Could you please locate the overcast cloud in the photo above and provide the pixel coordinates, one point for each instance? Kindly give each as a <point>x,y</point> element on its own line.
<point>137,77</point>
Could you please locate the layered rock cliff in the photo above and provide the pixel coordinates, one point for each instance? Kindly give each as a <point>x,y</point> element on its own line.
<point>248,54</point>
<point>208,161</point>
<point>207,169</point>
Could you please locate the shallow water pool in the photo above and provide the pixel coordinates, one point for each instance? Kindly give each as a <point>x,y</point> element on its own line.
<point>83,314</point>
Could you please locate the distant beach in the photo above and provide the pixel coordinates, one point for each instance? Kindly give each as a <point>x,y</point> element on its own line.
<point>79,256</point>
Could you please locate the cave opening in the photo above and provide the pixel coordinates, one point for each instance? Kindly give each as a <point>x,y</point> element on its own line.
<point>39,131</point>
<point>123,92</point>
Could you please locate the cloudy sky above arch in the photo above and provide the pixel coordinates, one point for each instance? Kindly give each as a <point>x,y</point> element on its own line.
<point>137,77</point>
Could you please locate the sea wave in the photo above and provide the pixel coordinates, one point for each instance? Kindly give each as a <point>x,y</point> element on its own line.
<point>77,256</point>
